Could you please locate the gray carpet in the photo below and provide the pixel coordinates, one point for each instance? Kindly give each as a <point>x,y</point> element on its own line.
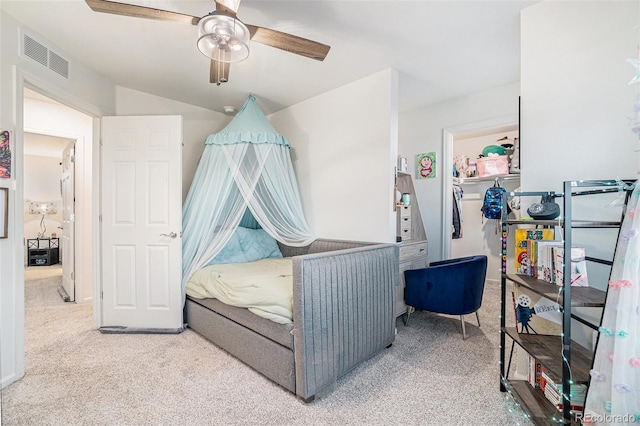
<point>78,376</point>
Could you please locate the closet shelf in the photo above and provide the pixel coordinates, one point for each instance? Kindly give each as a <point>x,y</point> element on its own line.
<point>474,180</point>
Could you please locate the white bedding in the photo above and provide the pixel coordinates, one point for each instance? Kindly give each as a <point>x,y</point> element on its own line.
<point>264,287</point>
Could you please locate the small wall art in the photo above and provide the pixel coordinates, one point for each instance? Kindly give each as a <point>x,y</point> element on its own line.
<point>5,154</point>
<point>426,165</point>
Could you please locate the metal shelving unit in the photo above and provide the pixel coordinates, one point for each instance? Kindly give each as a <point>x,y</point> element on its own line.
<point>559,354</point>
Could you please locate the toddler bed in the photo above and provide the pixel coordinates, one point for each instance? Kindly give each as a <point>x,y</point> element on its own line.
<point>335,311</point>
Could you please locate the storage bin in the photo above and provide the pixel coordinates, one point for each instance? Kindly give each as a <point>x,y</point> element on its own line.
<point>493,166</point>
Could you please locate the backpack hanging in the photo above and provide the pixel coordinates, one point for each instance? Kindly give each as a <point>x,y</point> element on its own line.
<point>492,206</point>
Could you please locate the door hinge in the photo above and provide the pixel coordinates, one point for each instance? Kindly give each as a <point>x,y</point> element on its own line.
<point>73,158</point>
<point>73,275</point>
<point>101,295</point>
<point>100,218</point>
<point>100,141</point>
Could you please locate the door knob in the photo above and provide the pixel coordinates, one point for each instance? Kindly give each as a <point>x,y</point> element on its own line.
<point>170,235</point>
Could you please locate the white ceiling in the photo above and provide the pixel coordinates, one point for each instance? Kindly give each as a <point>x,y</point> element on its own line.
<point>442,49</point>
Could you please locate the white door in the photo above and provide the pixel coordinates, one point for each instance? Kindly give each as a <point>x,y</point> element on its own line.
<point>141,223</point>
<point>67,242</point>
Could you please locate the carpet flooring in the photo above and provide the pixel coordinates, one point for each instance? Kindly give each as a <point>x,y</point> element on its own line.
<point>77,376</point>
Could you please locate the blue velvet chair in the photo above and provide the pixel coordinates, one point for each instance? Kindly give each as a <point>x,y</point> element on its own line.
<point>452,286</point>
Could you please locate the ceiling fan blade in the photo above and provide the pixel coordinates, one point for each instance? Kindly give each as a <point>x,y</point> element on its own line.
<point>219,72</point>
<point>290,43</point>
<point>227,7</point>
<point>124,9</point>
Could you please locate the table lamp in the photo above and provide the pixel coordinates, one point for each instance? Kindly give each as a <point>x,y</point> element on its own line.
<point>43,208</point>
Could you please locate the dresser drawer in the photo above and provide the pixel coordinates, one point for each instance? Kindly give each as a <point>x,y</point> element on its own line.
<point>405,222</point>
<point>413,250</point>
<point>405,211</point>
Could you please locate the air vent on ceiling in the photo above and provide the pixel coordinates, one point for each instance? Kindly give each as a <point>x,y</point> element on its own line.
<point>35,50</point>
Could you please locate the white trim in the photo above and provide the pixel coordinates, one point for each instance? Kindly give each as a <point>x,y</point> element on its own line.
<point>22,80</point>
<point>448,134</point>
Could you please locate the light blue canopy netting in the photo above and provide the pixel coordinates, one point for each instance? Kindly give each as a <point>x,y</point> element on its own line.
<point>246,165</point>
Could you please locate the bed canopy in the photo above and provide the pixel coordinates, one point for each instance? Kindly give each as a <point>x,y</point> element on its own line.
<point>245,169</point>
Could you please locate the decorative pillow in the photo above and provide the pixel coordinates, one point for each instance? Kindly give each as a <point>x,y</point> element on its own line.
<point>247,245</point>
<point>231,252</point>
<point>257,244</point>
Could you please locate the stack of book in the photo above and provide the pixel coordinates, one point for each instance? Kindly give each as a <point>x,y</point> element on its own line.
<point>553,392</point>
<point>539,256</point>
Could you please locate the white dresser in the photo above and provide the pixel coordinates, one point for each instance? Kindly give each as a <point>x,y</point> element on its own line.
<point>411,235</point>
<point>413,255</point>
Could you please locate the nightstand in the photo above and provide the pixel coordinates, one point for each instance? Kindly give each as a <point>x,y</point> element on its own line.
<point>43,251</point>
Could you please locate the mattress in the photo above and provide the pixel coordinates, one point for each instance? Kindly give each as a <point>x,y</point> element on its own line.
<point>264,287</point>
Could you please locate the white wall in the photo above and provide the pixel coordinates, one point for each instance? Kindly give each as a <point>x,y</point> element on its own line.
<point>576,106</point>
<point>197,124</point>
<point>86,90</point>
<point>344,148</point>
<point>576,100</point>
<point>421,130</point>
<point>42,183</point>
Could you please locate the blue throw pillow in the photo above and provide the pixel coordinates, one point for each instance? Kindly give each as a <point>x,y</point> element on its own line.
<point>257,244</point>
<point>247,245</point>
<point>231,252</point>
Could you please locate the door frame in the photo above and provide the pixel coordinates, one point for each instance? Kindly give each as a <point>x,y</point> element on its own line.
<point>91,204</point>
<point>15,341</point>
<point>448,136</point>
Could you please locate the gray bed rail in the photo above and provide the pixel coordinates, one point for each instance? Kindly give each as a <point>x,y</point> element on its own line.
<point>343,309</point>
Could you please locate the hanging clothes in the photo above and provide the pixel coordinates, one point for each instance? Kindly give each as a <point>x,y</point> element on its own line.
<point>614,390</point>
<point>457,212</point>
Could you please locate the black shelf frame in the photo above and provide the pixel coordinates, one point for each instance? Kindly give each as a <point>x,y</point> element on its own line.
<point>546,348</point>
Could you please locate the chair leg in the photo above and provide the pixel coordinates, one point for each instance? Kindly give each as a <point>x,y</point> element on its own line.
<point>406,316</point>
<point>478,318</point>
<point>464,333</point>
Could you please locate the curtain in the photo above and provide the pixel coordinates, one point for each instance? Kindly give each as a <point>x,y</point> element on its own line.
<point>246,165</point>
<point>614,390</point>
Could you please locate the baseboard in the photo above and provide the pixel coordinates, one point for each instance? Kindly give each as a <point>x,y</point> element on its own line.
<point>134,330</point>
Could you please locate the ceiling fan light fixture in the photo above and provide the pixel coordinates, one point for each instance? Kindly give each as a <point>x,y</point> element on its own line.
<point>223,38</point>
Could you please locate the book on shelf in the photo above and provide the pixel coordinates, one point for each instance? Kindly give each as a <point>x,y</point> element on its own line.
<point>553,392</point>
<point>579,276</point>
<point>534,376</point>
<point>544,256</point>
<point>523,247</point>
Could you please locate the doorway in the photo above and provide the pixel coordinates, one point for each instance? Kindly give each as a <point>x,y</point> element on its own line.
<point>48,207</point>
<point>52,134</point>
<point>479,235</point>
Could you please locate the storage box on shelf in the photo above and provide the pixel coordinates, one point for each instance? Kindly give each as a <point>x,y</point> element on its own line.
<point>413,238</point>
<point>563,358</point>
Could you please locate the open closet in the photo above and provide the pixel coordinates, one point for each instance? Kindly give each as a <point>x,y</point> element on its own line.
<point>471,233</point>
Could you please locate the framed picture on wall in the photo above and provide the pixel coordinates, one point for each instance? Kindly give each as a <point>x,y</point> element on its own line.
<point>4,212</point>
<point>426,165</point>
<point>5,154</point>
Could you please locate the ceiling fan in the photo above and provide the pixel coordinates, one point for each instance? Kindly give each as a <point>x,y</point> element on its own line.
<point>221,35</point>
